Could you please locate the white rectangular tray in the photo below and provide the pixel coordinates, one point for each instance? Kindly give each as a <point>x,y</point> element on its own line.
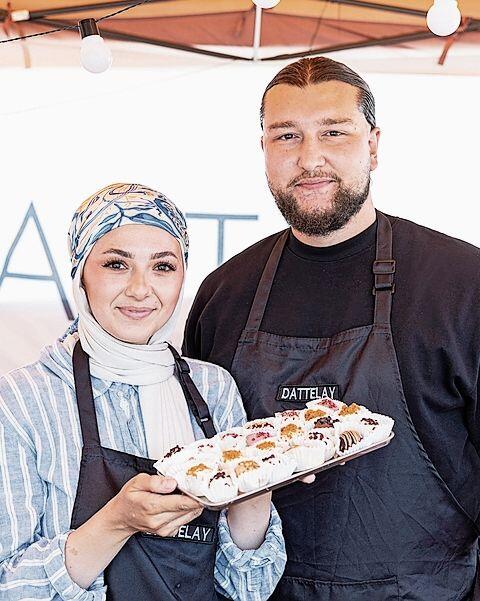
<point>293,478</point>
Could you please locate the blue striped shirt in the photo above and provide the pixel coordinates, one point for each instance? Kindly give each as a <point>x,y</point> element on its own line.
<point>40,451</point>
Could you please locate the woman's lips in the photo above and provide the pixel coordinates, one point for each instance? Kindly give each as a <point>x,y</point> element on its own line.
<point>135,312</point>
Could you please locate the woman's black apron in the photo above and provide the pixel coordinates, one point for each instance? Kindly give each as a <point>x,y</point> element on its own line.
<point>381,527</point>
<point>148,567</point>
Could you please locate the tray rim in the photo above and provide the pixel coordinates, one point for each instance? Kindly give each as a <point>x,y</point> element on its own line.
<point>219,505</point>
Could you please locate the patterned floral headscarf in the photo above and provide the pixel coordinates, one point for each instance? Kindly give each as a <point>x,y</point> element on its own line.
<point>122,204</point>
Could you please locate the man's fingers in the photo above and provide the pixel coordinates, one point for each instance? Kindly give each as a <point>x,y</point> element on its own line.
<point>308,479</point>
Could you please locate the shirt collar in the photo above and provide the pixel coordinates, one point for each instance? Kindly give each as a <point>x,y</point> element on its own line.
<point>58,359</point>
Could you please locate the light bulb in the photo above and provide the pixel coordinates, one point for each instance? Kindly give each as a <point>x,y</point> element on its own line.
<point>443,18</point>
<point>95,55</point>
<point>265,3</point>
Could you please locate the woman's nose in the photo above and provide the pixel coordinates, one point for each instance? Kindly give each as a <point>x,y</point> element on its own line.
<point>138,286</point>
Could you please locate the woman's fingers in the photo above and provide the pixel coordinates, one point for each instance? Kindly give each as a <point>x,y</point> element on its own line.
<point>308,479</point>
<point>171,527</point>
<point>155,503</point>
<point>146,503</point>
<point>157,484</point>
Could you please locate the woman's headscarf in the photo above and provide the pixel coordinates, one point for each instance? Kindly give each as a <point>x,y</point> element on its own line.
<point>151,365</point>
<point>121,204</point>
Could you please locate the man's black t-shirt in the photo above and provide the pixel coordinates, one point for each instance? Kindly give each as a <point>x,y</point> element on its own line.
<point>318,292</point>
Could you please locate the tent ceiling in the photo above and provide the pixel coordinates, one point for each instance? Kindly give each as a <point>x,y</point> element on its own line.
<point>305,26</point>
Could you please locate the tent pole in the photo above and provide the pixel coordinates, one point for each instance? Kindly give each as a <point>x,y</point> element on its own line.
<point>127,37</point>
<point>257,32</point>
<point>48,12</point>
<point>385,7</point>
<point>399,39</point>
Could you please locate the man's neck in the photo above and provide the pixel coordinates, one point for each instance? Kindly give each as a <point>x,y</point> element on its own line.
<point>357,224</point>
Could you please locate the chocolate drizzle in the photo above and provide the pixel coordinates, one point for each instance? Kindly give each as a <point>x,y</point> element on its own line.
<point>369,421</point>
<point>269,458</point>
<point>324,422</point>
<point>173,451</point>
<point>259,425</point>
<point>348,439</point>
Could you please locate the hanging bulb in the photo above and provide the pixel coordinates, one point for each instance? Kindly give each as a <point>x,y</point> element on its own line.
<point>265,3</point>
<point>443,18</point>
<point>95,55</point>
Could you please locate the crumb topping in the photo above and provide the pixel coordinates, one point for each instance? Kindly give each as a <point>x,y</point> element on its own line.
<point>349,409</point>
<point>246,466</point>
<point>195,469</point>
<point>330,403</point>
<point>314,413</point>
<point>290,430</point>
<point>266,444</point>
<point>231,454</point>
<point>290,413</point>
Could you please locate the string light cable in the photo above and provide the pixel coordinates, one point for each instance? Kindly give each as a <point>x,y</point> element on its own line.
<point>95,55</point>
<point>24,15</point>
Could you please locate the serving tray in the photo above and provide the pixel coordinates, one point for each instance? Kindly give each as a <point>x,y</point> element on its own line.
<point>293,478</point>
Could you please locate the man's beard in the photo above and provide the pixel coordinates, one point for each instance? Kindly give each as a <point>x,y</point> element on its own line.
<point>345,204</point>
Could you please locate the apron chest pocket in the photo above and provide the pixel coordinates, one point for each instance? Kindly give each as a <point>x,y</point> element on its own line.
<point>304,589</point>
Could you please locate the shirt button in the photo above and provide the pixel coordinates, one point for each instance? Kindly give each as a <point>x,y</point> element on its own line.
<point>178,585</point>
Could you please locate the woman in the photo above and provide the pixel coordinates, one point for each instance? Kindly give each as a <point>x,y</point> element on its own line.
<point>83,515</point>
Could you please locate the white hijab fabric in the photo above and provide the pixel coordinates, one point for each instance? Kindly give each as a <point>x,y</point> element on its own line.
<point>150,366</point>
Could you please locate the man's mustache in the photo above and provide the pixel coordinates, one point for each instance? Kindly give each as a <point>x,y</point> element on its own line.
<point>313,175</point>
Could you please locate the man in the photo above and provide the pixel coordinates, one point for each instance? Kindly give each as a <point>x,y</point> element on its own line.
<point>377,310</point>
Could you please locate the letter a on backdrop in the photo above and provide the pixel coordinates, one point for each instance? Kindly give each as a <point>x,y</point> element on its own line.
<point>54,277</point>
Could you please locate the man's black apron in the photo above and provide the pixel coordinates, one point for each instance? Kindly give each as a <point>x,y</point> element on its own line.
<point>148,567</point>
<point>381,527</point>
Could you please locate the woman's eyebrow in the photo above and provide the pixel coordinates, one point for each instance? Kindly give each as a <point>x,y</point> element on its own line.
<point>118,251</point>
<point>161,255</point>
<point>128,255</point>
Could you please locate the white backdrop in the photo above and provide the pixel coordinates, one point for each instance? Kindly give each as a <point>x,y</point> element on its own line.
<point>190,129</point>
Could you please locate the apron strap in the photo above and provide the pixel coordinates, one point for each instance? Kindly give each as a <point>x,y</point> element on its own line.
<point>264,287</point>
<point>86,405</point>
<point>194,399</point>
<point>83,390</point>
<point>476,587</point>
<point>383,270</point>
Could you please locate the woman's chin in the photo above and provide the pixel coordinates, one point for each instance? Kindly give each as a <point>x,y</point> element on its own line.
<point>131,335</point>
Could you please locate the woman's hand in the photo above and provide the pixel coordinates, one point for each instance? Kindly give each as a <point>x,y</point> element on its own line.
<point>145,504</point>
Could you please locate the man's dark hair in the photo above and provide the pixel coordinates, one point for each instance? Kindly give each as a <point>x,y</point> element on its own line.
<point>319,69</point>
